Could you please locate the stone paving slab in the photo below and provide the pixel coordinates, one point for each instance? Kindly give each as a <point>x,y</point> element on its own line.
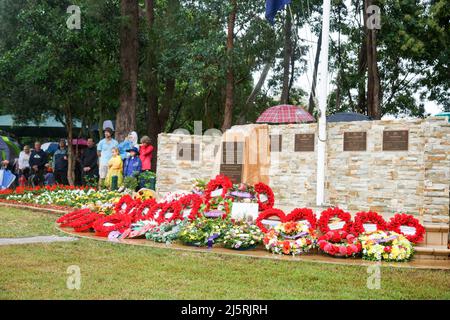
<point>32,240</point>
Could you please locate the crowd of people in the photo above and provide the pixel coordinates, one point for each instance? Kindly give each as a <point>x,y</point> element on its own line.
<point>95,164</point>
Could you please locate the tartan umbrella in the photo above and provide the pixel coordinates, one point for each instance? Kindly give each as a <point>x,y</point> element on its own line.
<point>285,113</point>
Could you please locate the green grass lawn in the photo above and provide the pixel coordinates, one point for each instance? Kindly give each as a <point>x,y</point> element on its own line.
<point>115,271</point>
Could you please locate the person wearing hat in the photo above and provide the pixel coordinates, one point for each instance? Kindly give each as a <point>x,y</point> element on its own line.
<point>104,150</point>
<point>133,165</point>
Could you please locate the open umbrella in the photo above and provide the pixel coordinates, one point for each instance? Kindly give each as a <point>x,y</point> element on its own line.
<point>285,113</point>
<point>50,147</point>
<point>80,142</point>
<point>347,117</point>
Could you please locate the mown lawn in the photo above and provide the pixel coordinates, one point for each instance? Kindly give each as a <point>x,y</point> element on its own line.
<point>114,271</point>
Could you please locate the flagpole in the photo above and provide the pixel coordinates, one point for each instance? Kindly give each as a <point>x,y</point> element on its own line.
<point>322,100</point>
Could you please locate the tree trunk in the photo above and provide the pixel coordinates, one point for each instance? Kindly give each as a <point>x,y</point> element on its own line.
<point>362,67</point>
<point>229,90</point>
<point>287,56</point>
<point>373,78</point>
<point>312,96</point>
<point>126,115</point>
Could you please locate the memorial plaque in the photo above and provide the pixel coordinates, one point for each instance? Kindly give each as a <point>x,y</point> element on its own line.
<point>232,160</point>
<point>188,151</point>
<point>395,140</point>
<point>276,142</point>
<point>304,142</point>
<point>355,141</point>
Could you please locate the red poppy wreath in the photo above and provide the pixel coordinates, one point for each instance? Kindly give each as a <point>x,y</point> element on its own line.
<point>191,204</point>
<point>300,214</point>
<point>368,222</point>
<point>265,196</point>
<point>143,209</point>
<point>115,222</point>
<point>85,223</point>
<point>169,212</point>
<point>268,214</point>
<point>407,225</point>
<point>219,182</point>
<point>124,204</point>
<point>339,243</point>
<point>334,213</point>
<point>66,219</point>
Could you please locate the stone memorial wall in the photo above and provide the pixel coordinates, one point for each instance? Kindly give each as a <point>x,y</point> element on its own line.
<point>386,166</point>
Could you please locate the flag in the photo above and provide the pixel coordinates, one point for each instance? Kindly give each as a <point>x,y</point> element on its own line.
<point>272,8</point>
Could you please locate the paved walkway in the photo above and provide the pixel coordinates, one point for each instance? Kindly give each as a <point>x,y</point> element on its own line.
<point>39,239</point>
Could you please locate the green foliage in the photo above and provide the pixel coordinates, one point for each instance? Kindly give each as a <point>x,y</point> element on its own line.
<point>130,183</point>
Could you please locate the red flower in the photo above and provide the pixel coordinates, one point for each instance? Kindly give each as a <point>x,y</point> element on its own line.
<point>219,182</point>
<point>402,219</point>
<point>286,247</point>
<point>267,214</point>
<point>262,188</point>
<point>371,217</point>
<point>303,214</point>
<point>387,249</point>
<point>326,215</point>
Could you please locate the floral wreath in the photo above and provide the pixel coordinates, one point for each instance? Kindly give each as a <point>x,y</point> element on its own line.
<point>215,213</point>
<point>242,236</point>
<point>403,219</point>
<point>214,184</point>
<point>303,214</point>
<point>329,213</point>
<point>362,218</point>
<point>386,245</point>
<point>166,232</point>
<point>155,211</point>
<point>339,243</point>
<point>85,223</point>
<point>193,202</point>
<point>126,201</point>
<point>269,213</point>
<point>173,207</point>
<point>119,222</point>
<point>262,188</point>
<point>142,210</point>
<point>290,238</point>
<point>66,219</point>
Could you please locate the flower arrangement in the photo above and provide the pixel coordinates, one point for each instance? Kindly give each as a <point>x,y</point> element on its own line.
<point>386,245</point>
<point>137,229</point>
<point>242,236</point>
<point>368,222</point>
<point>140,213</point>
<point>198,186</point>
<point>80,220</point>
<point>166,232</point>
<point>269,213</point>
<point>339,243</point>
<point>203,232</point>
<point>220,184</point>
<point>124,204</point>
<point>290,238</point>
<point>303,214</point>
<point>115,222</point>
<point>169,212</point>
<point>243,193</point>
<point>144,194</point>
<point>408,226</point>
<point>265,196</point>
<point>336,219</point>
<point>190,206</point>
<point>217,207</point>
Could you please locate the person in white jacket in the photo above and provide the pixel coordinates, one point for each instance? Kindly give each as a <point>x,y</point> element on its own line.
<point>24,160</point>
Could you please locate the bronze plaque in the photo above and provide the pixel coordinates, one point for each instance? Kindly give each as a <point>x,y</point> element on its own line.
<point>304,142</point>
<point>232,160</point>
<point>395,140</point>
<point>188,152</point>
<point>355,141</point>
<point>276,142</point>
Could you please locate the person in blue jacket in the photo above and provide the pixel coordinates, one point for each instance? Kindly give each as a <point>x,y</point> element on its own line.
<point>132,166</point>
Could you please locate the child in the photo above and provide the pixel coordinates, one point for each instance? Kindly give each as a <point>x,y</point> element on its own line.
<point>132,166</point>
<point>115,168</point>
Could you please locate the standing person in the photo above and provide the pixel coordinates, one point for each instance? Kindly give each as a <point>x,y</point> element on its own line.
<point>38,160</point>
<point>115,168</point>
<point>60,163</point>
<point>145,153</point>
<point>133,165</point>
<point>89,162</point>
<point>24,162</point>
<point>104,149</point>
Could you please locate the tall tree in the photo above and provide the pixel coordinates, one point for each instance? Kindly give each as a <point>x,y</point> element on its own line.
<point>229,89</point>
<point>126,115</point>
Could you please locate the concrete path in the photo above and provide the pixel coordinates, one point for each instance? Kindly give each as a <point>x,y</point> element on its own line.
<point>39,239</point>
